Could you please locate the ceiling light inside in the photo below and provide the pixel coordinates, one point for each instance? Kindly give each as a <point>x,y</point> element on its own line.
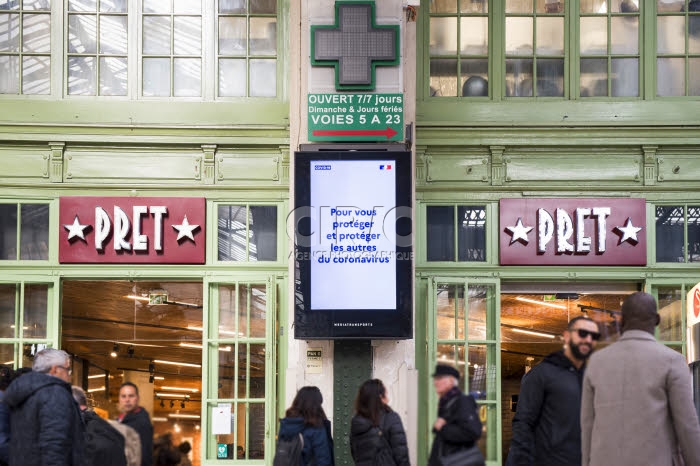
<point>534,333</point>
<point>541,303</point>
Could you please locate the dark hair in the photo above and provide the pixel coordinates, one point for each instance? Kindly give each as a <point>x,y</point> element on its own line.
<point>6,376</point>
<point>577,319</point>
<point>307,405</point>
<point>639,312</point>
<point>129,384</point>
<point>185,447</point>
<point>369,403</point>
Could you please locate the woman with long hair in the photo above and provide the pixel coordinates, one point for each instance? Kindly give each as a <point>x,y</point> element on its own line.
<point>306,416</point>
<point>376,430</point>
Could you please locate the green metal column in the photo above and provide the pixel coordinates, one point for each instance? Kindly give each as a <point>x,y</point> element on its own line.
<point>352,365</point>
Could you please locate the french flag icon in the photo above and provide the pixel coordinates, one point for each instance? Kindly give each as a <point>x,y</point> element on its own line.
<point>385,167</point>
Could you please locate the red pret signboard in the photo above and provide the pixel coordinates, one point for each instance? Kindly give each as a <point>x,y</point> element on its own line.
<point>604,231</point>
<point>132,230</point>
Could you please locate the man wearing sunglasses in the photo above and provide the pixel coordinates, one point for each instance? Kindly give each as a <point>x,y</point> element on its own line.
<point>45,423</point>
<point>546,426</point>
<point>637,403</point>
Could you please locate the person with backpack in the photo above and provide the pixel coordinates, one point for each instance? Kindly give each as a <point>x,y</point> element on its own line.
<point>304,437</point>
<point>104,445</point>
<point>377,436</point>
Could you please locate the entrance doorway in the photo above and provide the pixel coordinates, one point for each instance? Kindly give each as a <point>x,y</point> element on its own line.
<point>533,318</point>
<point>145,332</point>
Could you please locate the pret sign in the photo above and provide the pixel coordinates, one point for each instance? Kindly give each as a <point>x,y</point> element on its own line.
<point>355,117</point>
<point>163,230</point>
<point>601,231</point>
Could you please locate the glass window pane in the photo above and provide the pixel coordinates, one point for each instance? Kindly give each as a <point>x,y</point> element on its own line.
<point>258,311</point>
<point>227,373</point>
<point>36,33</point>
<point>670,76</point>
<point>9,4</point>
<point>481,375</point>
<point>232,36</point>
<point>7,355</point>
<point>82,5</point>
<point>475,78</point>
<point>443,77</point>
<point>519,78</point>
<point>244,300</point>
<point>474,36</point>
<point>519,36</point>
<point>443,6</point>
<point>8,231</point>
<point>263,36</point>
<point>113,34</point>
<point>624,35</point>
<point>232,6</point>
<point>188,77</point>
<point>593,6</point>
<point>550,77</point>
<point>594,36</point>
<point>670,34</point>
<point>36,75</point>
<point>550,6</point>
<point>693,233</point>
<point>157,6</point>
<point>82,34</point>
<point>263,233</point>
<point>9,75</point>
<point>471,235</point>
<point>113,76</point>
<point>34,232</point>
<point>440,240</point>
<point>156,35</point>
<point>550,36</point>
<point>35,308</point>
<point>188,35</point>
<point>478,305</point>
<point>519,6</point>
<point>594,77</point>
<point>113,6</point>
<point>232,78</point>
<point>450,316</point>
<point>694,70</point>
<point>443,36</point>
<point>81,76</point>
<point>694,33</point>
<point>227,312</point>
<point>624,6</point>
<point>156,77</point>
<point>187,7</point>
<point>8,297</point>
<point>669,234</point>
<point>474,6</point>
<point>667,6</point>
<point>256,431</point>
<point>263,78</point>
<point>9,32</point>
<point>232,233</point>
<point>263,7</point>
<point>670,311</point>
<point>256,364</point>
<point>625,77</point>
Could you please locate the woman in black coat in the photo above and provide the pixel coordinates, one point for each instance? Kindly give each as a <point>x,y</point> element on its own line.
<point>376,433</point>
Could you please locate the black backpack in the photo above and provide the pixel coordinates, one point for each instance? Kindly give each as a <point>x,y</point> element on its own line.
<point>288,452</point>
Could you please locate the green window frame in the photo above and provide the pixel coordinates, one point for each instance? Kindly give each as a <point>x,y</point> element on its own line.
<point>248,232</point>
<point>671,297</point>
<point>446,231</point>
<point>242,321</point>
<point>678,48</point>
<point>25,47</point>
<point>465,333</point>
<point>30,234</point>
<point>677,226</point>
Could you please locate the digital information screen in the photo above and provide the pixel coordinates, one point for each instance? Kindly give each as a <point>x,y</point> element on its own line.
<point>353,245</point>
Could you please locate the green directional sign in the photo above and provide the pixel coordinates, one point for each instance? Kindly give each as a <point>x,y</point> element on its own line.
<point>355,117</point>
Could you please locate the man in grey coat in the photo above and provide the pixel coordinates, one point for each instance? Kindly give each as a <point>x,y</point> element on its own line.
<point>637,403</point>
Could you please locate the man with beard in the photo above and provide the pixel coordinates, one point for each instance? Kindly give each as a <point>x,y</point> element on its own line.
<point>546,426</point>
<point>637,402</point>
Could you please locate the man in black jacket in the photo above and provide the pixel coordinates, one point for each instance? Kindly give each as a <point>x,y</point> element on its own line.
<point>136,417</point>
<point>104,445</point>
<point>458,426</point>
<point>546,426</point>
<point>44,419</point>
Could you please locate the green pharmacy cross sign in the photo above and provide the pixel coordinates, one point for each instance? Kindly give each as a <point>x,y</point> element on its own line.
<point>354,45</point>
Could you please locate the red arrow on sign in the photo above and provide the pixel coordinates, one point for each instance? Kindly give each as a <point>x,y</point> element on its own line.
<point>388,132</point>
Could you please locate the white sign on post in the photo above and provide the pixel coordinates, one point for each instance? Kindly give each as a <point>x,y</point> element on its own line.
<point>314,361</point>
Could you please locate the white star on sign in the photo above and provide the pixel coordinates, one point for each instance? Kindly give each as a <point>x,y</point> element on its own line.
<point>519,231</point>
<point>629,231</point>
<point>185,229</point>
<point>76,229</point>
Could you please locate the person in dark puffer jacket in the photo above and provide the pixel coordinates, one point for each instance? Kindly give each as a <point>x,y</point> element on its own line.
<point>45,421</point>
<point>104,445</point>
<point>374,416</point>
<point>307,416</point>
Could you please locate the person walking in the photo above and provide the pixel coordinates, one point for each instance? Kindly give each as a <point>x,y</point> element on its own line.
<point>137,418</point>
<point>546,425</point>
<point>5,378</point>
<point>457,427</point>
<point>165,453</point>
<point>306,416</point>
<point>637,403</point>
<point>104,445</point>
<point>376,431</point>
<point>45,422</point>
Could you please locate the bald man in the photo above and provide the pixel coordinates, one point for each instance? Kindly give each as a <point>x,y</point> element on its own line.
<point>637,402</point>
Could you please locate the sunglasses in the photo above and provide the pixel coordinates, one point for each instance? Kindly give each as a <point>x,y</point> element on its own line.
<point>585,333</point>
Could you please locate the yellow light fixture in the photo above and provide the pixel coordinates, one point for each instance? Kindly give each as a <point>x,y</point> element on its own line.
<point>198,346</point>
<point>137,298</point>
<point>180,389</point>
<point>175,363</point>
<point>541,303</point>
<point>534,333</point>
<point>98,389</point>
<point>184,416</point>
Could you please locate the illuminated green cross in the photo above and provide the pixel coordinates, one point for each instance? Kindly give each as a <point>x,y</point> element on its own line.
<point>354,45</point>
